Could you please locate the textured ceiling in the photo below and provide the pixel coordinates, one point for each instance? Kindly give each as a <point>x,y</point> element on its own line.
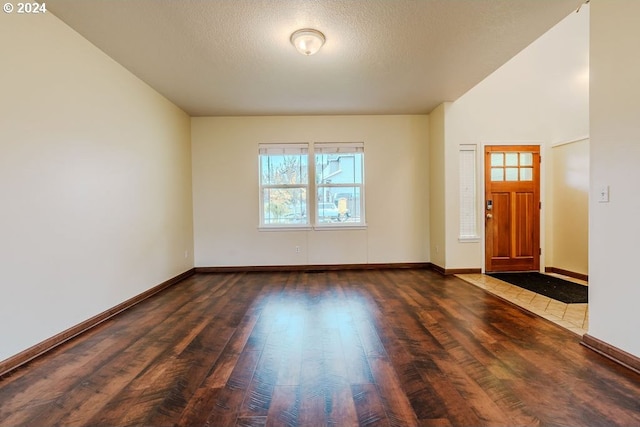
<point>233,57</point>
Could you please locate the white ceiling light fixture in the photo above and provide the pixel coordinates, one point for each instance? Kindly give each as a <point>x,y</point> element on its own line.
<point>307,41</point>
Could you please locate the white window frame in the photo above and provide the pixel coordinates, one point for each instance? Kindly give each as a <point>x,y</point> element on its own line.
<point>468,189</point>
<point>311,187</point>
<point>346,148</point>
<point>282,149</point>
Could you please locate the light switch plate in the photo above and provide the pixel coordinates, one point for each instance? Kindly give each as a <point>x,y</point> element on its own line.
<point>603,194</point>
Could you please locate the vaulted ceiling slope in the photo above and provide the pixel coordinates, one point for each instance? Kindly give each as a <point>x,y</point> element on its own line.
<point>234,58</point>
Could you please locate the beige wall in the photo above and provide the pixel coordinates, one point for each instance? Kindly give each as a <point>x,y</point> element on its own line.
<point>225,190</point>
<point>95,182</point>
<point>614,283</point>
<point>540,96</point>
<point>568,207</point>
<point>437,215</point>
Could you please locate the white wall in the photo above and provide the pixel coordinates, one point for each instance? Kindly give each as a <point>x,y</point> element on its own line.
<point>225,189</point>
<point>567,207</point>
<point>540,96</point>
<point>614,283</point>
<point>95,183</point>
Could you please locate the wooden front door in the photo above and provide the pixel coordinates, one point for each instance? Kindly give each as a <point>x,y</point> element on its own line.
<point>512,208</point>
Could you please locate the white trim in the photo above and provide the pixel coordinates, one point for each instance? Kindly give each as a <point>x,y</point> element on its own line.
<point>570,141</point>
<point>334,227</point>
<point>288,227</point>
<point>473,239</point>
<point>509,142</point>
<point>338,147</point>
<point>283,148</point>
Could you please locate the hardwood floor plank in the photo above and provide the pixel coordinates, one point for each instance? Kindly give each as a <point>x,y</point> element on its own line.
<point>369,406</point>
<point>340,408</point>
<point>129,358</point>
<point>227,400</point>
<point>394,399</point>
<point>393,347</point>
<point>285,410</point>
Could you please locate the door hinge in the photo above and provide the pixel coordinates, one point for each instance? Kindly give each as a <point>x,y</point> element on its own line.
<point>539,205</point>
<point>539,251</point>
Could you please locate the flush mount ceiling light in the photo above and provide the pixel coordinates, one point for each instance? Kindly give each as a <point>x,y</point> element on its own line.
<point>308,41</point>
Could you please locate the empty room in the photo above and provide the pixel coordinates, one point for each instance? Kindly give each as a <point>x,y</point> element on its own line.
<point>297,212</point>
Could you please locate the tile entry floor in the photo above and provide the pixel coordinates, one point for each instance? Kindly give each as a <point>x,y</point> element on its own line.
<point>574,317</point>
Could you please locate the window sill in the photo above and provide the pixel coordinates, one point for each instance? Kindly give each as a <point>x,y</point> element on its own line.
<point>333,227</point>
<point>474,239</point>
<point>328,227</point>
<point>286,228</point>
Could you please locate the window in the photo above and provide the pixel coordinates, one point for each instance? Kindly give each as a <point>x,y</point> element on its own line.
<point>468,218</point>
<point>339,184</point>
<point>285,188</point>
<point>511,166</point>
<point>284,185</point>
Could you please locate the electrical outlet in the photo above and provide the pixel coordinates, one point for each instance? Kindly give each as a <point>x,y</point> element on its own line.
<point>186,254</point>
<point>297,249</point>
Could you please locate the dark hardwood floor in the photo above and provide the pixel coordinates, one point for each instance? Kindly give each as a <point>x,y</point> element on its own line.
<point>378,347</point>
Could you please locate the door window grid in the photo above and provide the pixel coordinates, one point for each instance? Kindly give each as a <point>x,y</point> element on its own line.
<point>511,166</point>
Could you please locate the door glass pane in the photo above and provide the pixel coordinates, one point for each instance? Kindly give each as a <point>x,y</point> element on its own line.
<point>497,159</point>
<point>512,174</point>
<point>526,174</point>
<point>497,174</point>
<point>511,159</point>
<point>526,159</point>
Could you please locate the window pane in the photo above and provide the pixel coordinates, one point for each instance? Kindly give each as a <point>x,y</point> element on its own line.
<point>338,204</point>
<point>285,206</point>
<point>468,208</point>
<point>497,174</point>
<point>526,159</point>
<point>283,169</point>
<point>526,174</point>
<point>497,159</point>
<point>339,168</point>
<point>511,174</point>
<point>511,160</point>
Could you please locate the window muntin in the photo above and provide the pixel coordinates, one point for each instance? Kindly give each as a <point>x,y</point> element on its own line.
<point>284,185</point>
<point>339,173</point>
<point>511,166</point>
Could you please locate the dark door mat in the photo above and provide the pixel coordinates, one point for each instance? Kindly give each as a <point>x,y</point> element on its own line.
<point>552,287</point>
